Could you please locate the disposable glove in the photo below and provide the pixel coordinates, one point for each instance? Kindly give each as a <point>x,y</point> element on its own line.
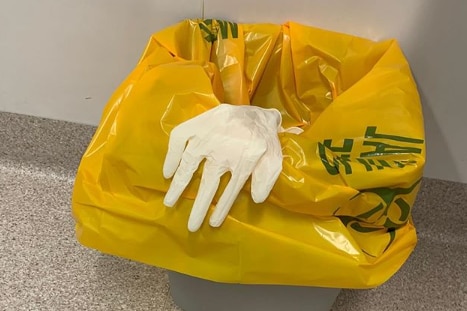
<point>241,140</point>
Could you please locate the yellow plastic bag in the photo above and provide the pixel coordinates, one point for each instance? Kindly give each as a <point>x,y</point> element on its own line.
<point>339,214</point>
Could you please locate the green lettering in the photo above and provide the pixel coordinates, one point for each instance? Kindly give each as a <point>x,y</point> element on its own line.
<point>224,29</point>
<point>370,163</point>
<point>330,167</point>
<point>382,149</point>
<point>344,160</point>
<point>404,163</point>
<point>234,29</point>
<point>371,133</point>
<point>346,146</point>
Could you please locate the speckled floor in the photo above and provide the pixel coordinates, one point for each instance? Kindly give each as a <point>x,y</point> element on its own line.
<point>42,267</point>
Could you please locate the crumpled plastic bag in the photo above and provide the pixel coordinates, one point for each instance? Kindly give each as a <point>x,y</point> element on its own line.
<point>339,214</point>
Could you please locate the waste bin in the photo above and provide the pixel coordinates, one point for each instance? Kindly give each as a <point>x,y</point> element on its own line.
<point>339,215</point>
<point>195,294</point>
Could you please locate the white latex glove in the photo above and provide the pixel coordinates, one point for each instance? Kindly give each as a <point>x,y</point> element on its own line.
<point>239,139</point>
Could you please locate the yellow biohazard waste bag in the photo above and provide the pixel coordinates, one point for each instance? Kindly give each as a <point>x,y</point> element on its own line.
<point>339,214</point>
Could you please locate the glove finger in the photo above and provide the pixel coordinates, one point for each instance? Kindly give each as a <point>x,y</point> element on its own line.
<point>182,178</point>
<point>236,183</point>
<point>207,189</point>
<point>177,142</point>
<point>265,175</point>
<point>180,136</point>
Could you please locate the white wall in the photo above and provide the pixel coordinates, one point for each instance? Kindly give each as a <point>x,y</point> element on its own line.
<point>63,58</point>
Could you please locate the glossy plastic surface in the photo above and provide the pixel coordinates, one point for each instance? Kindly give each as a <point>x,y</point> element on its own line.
<point>339,214</point>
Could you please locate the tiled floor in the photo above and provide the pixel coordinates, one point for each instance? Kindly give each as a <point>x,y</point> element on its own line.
<point>42,267</point>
